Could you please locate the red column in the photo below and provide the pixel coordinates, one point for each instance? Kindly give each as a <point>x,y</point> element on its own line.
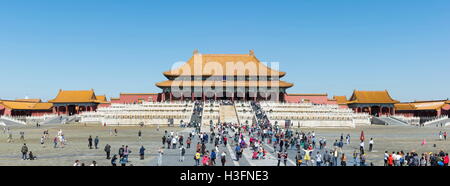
<point>192,96</point>
<point>170,97</point>
<point>203,96</point>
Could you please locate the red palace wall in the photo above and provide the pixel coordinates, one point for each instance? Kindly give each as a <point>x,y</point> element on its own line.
<point>41,113</point>
<point>135,98</point>
<point>316,99</point>
<point>104,105</point>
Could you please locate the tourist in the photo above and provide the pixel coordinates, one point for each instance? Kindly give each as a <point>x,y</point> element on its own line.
<point>343,160</point>
<point>113,160</point>
<point>182,153</point>
<point>42,141</point>
<point>142,152</point>
<point>90,142</point>
<point>188,142</point>
<point>94,164</point>
<point>285,157</point>
<point>160,152</point>
<point>123,161</point>
<point>390,160</point>
<point>298,158</point>
<point>55,141</point>
<point>355,156</point>
<point>164,140</point>
<point>174,143</point>
<point>205,160</point>
<point>140,135</point>
<point>237,150</point>
<point>77,163</point>
<point>370,144</point>
<point>445,135</point>
<point>121,151</point>
<point>223,158</point>
<point>10,138</point>
<point>126,152</point>
<point>197,158</point>
<point>213,157</point>
<point>22,136</point>
<point>24,151</point>
<point>362,160</point>
<point>361,147</point>
<point>31,156</point>
<point>96,140</point>
<point>386,156</point>
<point>318,159</point>
<point>107,150</point>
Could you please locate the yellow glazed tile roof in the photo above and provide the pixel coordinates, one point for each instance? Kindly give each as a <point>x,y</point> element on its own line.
<point>423,105</point>
<point>371,97</point>
<point>22,105</point>
<point>340,99</point>
<point>75,96</point>
<point>217,64</point>
<point>30,100</point>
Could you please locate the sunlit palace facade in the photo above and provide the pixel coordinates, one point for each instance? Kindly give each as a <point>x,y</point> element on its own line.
<point>223,77</point>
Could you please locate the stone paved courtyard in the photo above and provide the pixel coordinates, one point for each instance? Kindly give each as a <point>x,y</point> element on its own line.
<point>388,138</point>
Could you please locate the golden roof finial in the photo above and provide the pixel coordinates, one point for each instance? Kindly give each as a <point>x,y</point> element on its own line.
<point>195,51</point>
<point>252,52</point>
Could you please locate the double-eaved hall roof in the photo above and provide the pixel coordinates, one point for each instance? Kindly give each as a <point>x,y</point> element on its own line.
<point>216,64</point>
<point>219,65</point>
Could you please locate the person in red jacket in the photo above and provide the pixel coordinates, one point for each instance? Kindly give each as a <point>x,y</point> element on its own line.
<point>446,160</point>
<point>390,160</point>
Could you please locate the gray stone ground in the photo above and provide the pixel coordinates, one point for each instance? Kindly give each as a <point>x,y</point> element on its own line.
<point>390,138</point>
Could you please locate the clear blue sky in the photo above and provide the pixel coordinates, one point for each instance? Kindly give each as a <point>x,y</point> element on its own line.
<point>325,46</point>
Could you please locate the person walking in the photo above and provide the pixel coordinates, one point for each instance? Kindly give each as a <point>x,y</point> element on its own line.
<point>223,158</point>
<point>140,135</point>
<point>90,142</point>
<point>55,141</point>
<point>343,160</point>
<point>213,157</point>
<point>107,150</point>
<point>121,151</point>
<point>160,152</point>
<point>370,144</point>
<point>42,142</point>
<point>182,153</point>
<point>142,152</point>
<point>96,140</point>
<point>24,151</point>
<point>298,158</point>
<point>197,158</point>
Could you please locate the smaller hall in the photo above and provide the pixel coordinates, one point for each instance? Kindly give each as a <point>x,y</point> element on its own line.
<point>70,102</point>
<point>376,103</point>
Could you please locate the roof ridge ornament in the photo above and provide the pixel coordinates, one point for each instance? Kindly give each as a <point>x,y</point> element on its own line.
<point>252,52</point>
<point>195,52</point>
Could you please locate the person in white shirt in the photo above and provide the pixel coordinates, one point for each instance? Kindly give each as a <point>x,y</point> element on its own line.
<point>77,163</point>
<point>370,144</point>
<point>361,147</point>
